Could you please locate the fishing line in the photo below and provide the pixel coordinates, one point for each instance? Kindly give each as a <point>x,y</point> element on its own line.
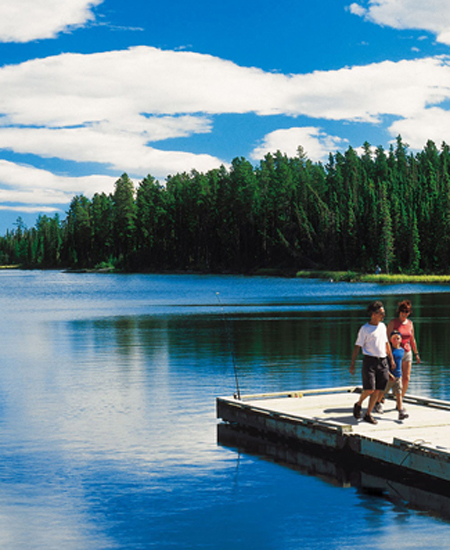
<point>231,348</point>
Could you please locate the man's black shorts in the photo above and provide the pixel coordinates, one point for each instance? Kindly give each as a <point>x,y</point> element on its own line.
<point>375,372</point>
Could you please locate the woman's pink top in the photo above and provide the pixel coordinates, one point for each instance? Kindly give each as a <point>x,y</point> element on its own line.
<point>406,330</point>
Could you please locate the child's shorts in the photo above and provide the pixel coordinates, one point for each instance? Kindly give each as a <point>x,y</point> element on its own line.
<point>396,386</point>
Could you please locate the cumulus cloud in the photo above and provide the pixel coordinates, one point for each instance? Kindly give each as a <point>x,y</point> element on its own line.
<point>115,107</point>
<point>429,124</point>
<point>30,186</point>
<point>433,15</point>
<point>356,9</point>
<point>27,20</point>
<point>29,209</point>
<point>119,150</point>
<point>125,89</point>
<point>315,142</point>
<point>107,107</point>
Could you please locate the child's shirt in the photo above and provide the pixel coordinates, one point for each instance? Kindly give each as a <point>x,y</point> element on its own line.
<point>398,354</point>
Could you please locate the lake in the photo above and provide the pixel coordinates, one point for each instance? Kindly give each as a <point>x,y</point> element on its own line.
<point>107,411</point>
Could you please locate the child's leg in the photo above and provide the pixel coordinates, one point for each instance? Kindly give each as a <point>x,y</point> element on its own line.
<point>382,393</point>
<point>402,415</point>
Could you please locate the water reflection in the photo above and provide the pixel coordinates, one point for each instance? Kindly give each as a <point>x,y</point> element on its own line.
<point>107,394</point>
<point>404,490</point>
<point>125,372</point>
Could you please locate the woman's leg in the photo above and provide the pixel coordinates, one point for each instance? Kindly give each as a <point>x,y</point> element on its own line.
<point>406,375</point>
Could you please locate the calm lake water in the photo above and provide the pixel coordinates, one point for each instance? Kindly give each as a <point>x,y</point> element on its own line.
<point>107,411</point>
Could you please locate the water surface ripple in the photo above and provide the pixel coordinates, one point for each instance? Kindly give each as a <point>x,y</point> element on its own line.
<point>107,411</point>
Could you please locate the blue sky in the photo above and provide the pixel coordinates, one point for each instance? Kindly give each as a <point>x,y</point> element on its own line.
<point>94,88</point>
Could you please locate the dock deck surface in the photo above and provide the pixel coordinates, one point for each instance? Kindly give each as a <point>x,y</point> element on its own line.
<point>420,443</point>
<point>429,425</point>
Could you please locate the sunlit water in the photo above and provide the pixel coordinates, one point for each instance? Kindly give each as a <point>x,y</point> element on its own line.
<point>107,411</point>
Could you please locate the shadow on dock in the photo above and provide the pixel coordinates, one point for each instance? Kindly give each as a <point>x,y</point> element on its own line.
<point>344,469</point>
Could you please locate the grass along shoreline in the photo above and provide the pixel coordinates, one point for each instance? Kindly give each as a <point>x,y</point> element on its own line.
<point>334,276</point>
<point>355,277</point>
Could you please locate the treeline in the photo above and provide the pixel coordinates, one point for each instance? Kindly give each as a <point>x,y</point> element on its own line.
<point>387,208</point>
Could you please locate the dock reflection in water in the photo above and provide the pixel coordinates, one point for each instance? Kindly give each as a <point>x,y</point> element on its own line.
<point>107,388</point>
<point>369,477</point>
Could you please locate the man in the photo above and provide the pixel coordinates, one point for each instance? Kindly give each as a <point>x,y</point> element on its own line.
<point>372,339</point>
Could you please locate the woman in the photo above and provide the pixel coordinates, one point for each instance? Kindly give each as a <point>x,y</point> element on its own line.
<point>409,344</point>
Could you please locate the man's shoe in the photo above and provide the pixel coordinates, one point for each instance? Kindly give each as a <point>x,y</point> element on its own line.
<point>370,419</point>
<point>403,415</point>
<point>357,411</point>
<point>378,408</point>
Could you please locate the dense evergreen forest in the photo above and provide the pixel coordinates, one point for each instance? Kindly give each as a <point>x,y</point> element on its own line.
<point>387,208</point>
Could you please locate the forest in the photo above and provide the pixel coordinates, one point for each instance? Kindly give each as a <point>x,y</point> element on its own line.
<point>387,208</point>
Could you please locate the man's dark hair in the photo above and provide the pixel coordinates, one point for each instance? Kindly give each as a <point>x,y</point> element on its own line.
<point>374,307</point>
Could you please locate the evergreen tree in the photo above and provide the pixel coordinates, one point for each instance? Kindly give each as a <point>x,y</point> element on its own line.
<point>387,239</point>
<point>150,214</point>
<point>102,216</point>
<point>48,242</point>
<point>78,233</point>
<point>391,209</point>
<point>414,246</point>
<point>124,220</point>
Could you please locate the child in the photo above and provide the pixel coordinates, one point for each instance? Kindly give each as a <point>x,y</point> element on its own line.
<point>395,377</point>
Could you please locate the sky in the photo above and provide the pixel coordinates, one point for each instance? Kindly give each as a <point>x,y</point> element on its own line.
<point>90,89</point>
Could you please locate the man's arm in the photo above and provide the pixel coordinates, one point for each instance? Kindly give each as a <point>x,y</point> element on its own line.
<point>354,356</point>
<point>389,354</point>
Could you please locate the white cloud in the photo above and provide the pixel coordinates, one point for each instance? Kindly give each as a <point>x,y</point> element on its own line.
<point>316,143</point>
<point>27,20</point>
<point>119,149</point>
<point>108,107</point>
<point>356,9</point>
<point>30,186</point>
<point>432,15</point>
<point>29,209</point>
<point>429,124</point>
<point>118,88</point>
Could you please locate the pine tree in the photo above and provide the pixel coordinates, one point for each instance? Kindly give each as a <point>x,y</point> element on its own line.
<point>124,218</point>
<point>102,228</point>
<point>78,233</point>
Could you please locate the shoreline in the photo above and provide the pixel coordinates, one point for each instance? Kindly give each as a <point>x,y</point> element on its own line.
<point>355,277</point>
<point>331,276</point>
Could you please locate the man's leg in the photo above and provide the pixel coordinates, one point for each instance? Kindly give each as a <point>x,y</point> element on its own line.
<point>368,380</point>
<point>364,395</point>
<point>358,405</point>
<point>373,399</point>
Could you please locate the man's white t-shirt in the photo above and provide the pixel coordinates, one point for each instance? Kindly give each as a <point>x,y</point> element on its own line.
<point>373,339</point>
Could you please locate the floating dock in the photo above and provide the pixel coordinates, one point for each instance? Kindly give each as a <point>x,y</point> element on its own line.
<point>323,420</point>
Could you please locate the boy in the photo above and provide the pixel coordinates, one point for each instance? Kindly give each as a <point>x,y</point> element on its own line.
<point>372,339</point>
<point>395,377</point>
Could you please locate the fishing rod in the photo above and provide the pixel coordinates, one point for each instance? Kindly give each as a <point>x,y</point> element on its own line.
<point>237,395</point>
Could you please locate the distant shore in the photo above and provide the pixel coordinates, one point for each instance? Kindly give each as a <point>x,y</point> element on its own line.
<point>332,276</point>
<point>355,277</point>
